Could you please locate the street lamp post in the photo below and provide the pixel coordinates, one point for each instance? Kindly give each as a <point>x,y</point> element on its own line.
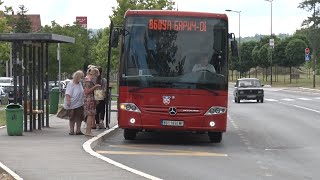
<point>239,51</point>
<point>270,42</point>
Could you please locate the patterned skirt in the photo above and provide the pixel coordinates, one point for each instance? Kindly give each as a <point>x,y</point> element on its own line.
<point>89,106</point>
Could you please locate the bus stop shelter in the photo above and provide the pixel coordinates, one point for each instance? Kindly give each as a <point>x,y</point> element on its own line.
<point>30,60</point>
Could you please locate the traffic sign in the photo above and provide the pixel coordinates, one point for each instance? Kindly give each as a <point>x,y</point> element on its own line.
<point>307,51</point>
<point>271,42</point>
<point>307,57</point>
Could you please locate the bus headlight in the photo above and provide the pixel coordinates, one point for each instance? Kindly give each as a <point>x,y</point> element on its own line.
<point>260,92</point>
<point>216,110</point>
<point>129,107</point>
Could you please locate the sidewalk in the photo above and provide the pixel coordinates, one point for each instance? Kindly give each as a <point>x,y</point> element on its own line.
<point>51,153</point>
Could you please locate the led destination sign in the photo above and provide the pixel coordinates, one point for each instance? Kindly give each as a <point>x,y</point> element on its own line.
<point>177,25</point>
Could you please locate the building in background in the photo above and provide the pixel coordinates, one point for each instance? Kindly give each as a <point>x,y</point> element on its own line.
<point>35,27</point>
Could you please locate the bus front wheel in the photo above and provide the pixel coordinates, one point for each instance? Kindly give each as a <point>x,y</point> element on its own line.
<point>215,137</point>
<point>129,134</point>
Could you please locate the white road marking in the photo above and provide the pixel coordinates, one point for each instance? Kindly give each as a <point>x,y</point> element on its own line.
<point>87,146</point>
<point>243,139</point>
<point>288,99</point>
<point>305,99</point>
<point>9,171</point>
<point>264,167</point>
<point>268,175</point>
<point>316,111</point>
<point>317,97</point>
<point>271,100</point>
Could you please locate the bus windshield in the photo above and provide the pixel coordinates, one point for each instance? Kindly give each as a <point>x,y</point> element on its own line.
<point>175,52</point>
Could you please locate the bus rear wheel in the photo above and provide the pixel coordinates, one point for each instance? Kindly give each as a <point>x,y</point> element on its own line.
<point>129,134</point>
<point>215,137</point>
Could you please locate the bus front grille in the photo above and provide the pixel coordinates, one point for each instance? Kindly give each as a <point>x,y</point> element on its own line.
<point>181,111</point>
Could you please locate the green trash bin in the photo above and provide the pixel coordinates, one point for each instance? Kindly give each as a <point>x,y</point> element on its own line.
<point>54,100</point>
<point>14,119</point>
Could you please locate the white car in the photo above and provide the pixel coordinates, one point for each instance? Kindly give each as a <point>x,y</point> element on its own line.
<point>4,98</point>
<point>6,81</point>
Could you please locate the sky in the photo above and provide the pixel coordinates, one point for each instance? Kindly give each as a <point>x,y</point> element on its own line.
<point>255,15</point>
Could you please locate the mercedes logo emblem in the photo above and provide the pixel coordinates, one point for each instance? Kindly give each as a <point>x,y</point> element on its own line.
<point>172,111</point>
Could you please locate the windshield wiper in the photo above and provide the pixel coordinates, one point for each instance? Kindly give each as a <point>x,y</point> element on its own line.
<point>137,76</point>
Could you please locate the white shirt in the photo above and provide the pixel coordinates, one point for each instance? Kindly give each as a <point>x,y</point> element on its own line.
<point>76,93</point>
<point>208,67</point>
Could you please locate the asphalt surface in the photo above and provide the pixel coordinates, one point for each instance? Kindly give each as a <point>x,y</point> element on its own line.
<point>277,139</point>
<point>52,154</point>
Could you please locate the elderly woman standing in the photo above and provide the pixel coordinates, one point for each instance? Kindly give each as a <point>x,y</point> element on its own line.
<point>73,101</point>
<point>89,102</point>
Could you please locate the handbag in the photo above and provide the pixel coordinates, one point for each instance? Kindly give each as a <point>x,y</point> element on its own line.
<point>65,113</point>
<point>99,94</point>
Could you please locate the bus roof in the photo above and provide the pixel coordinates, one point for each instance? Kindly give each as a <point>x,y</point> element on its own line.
<point>175,13</point>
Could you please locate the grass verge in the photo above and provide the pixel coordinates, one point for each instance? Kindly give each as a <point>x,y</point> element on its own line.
<point>2,117</point>
<point>284,81</point>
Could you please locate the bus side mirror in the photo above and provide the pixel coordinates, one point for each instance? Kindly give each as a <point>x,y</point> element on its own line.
<point>234,45</point>
<point>115,38</point>
<point>234,48</point>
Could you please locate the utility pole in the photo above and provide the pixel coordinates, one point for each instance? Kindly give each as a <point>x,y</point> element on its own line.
<point>314,48</point>
<point>239,47</point>
<point>271,41</point>
<point>59,62</point>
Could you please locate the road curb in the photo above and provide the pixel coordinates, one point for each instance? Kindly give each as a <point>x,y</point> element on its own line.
<point>89,145</point>
<point>10,172</point>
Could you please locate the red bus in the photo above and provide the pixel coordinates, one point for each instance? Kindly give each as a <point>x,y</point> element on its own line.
<point>173,73</point>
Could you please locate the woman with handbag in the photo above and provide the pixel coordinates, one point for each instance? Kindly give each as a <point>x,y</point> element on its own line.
<point>73,102</point>
<point>89,102</point>
<point>100,97</point>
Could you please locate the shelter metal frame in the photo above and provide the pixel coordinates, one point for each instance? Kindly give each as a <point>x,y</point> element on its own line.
<point>30,59</point>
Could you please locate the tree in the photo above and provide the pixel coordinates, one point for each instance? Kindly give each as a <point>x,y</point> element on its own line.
<point>246,56</point>
<point>23,23</point>
<point>312,22</point>
<point>101,47</point>
<point>124,5</point>
<point>4,47</point>
<point>232,63</point>
<point>295,53</point>
<point>264,54</point>
<point>311,6</point>
<point>255,57</point>
<point>73,56</point>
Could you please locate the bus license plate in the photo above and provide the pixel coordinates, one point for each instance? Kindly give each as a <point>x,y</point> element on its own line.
<point>172,123</point>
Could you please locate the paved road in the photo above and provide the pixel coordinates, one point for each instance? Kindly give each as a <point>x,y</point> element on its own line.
<point>277,139</point>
